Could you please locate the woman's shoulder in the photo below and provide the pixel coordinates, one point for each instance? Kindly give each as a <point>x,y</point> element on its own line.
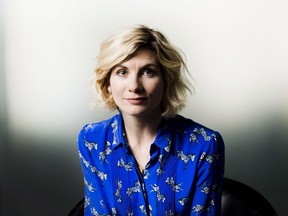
<point>194,131</point>
<point>98,129</point>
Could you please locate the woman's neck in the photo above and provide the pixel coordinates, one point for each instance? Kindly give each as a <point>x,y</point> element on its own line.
<point>140,134</point>
<point>140,129</point>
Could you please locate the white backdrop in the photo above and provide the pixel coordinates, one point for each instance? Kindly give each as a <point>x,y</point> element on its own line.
<point>235,50</point>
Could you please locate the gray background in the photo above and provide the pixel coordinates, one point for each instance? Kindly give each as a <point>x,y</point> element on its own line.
<point>235,50</point>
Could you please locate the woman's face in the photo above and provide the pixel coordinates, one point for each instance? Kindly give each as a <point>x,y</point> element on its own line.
<point>137,85</point>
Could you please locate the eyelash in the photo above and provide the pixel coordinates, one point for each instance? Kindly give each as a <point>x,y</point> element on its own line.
<point>121,72</point>
<point>148,72</point>
<point>145,72</point>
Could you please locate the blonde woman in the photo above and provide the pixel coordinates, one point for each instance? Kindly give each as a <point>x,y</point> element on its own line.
<point>148,159</point>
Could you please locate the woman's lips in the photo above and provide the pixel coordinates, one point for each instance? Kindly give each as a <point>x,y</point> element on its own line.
<point>136,101</point>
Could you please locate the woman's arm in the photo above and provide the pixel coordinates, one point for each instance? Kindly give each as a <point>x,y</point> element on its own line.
<point>208,192</point>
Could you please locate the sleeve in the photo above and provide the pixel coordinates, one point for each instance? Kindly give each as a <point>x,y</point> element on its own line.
<point>85,161</point>
<point>208,192</point>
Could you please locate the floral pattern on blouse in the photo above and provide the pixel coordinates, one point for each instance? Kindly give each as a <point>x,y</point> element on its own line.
<point>183,176</point>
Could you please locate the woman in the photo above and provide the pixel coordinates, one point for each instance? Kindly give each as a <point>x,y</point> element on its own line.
<point>148,160</point>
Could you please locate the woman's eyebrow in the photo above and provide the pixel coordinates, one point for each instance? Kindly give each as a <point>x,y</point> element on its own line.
<point>121,66</point>
<point>144,66</point>
<point>118,67</point>
<point>151,65</point>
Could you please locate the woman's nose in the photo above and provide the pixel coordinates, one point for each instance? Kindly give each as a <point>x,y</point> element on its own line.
<point>135,84</point>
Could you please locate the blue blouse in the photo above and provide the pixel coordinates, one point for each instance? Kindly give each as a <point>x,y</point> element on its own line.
<point>183,177</point>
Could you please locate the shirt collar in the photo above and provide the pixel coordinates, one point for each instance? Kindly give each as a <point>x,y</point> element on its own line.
<point>163,137</point>
<point>162,140</point>
<point>118,131</point>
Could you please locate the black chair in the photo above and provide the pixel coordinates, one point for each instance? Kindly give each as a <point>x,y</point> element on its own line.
<point>238,199</point>
<point>78,209</point>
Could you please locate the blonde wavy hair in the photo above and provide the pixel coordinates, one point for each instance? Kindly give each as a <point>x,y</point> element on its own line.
<point>123,44</point>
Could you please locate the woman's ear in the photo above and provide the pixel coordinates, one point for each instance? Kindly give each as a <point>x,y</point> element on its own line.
<point>109,89</point>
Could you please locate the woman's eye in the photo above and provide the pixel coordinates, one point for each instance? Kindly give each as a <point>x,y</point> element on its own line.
<point>122,72</point>
<point>148,72</point>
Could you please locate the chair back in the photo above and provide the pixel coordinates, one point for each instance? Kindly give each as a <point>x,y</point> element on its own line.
<point>239,199</point>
